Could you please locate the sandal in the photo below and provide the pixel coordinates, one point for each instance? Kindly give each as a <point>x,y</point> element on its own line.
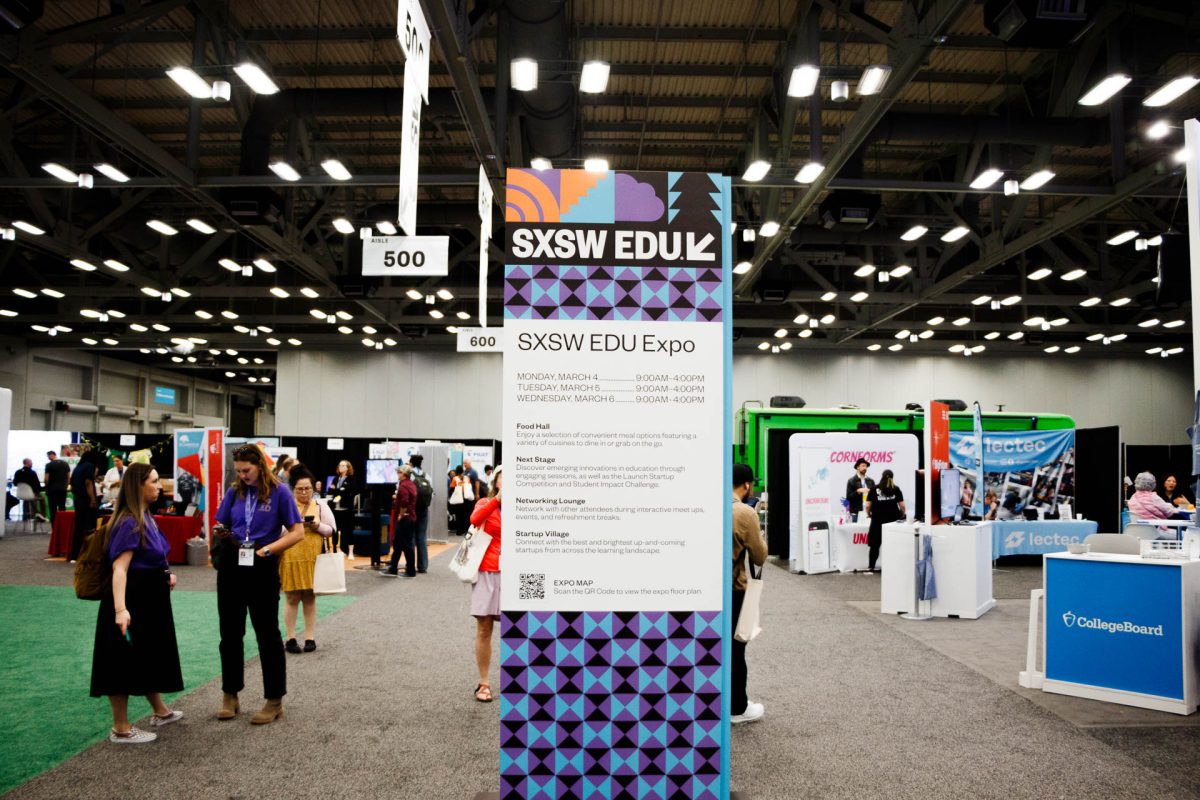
<point>483,693</point>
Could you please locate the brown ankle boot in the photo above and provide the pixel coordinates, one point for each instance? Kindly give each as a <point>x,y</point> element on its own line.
<point>229,707</point>
<point>269,713</point>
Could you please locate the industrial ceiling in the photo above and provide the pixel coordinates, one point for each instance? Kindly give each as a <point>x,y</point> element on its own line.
<point>961,88</point>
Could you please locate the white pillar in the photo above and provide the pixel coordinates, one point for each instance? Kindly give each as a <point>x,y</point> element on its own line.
<point>1191,135</point>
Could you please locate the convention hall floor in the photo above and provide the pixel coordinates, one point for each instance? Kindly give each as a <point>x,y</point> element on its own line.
<point>858,705</point>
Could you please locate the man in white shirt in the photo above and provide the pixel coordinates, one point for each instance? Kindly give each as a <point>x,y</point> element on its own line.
<point>112,479</point>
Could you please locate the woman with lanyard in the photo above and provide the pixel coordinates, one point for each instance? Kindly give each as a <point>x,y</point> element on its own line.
<point>255,509</point>
<point>135,650</point>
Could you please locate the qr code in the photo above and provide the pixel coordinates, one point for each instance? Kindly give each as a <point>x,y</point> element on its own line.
<point>533,586</point>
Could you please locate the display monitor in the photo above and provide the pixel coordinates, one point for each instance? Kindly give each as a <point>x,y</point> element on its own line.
<point>381,470</point>
<point>950,485</point>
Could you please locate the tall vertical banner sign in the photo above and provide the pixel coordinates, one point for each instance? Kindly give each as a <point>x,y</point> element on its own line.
<point>413,34</point>
<point>616,554</point>
<point>977,508</point>
<point>937,453</point>
<point>485,237</point>
<point>200,470</point>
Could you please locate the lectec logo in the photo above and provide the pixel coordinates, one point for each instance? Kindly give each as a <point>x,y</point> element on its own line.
<point>1071,620</point>
<point>1015,540</point>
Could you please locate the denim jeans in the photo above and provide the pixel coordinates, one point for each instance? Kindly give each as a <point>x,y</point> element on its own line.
<point>422,536</point>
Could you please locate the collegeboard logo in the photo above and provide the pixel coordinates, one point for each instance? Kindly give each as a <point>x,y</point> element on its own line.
<point>1072,620</point>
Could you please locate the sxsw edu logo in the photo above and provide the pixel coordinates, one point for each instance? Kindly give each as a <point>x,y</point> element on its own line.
<point>1072,620</point>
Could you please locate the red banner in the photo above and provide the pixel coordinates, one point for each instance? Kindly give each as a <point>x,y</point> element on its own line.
<point>214,478</point>
<point>938,420</point>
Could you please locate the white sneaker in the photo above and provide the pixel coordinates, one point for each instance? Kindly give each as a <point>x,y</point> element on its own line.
<point>133,736</point>
<point>157,722</point>
<point>753,713</point>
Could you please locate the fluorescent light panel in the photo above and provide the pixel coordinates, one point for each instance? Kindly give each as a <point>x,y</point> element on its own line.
<point>335,169</point>
<point>756,171</point>
<point>540,163</point>
<point>954,234</point>
<point>1039,273</point>
<point>190,82</point>
<point>804,80</point>
<point>161,227</point>
<point>256,78</point>
<point>1104,90</point>
<point>809,172</point>
<point>987,178</point>
<point>1171,91</point>
<point>1122,237</point>
<point>285,170</point>
<point>769,228</point>
<point>523,74</point>
<point>28,227</point>
<point>873,79</point>
<point>594,78</point>
<point>914,233</point>
<point>112,173</point>
<point>343,225</point>
<point>1037,180</point>
<point>596,164</point>
<point>201,226</point>
<point>59,171</point>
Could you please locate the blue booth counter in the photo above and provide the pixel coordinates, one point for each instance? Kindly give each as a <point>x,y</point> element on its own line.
<point>1019,537</point>
<point>1123,629</point>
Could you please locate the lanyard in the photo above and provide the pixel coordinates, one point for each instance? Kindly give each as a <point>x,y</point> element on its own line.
<point>248,511</point>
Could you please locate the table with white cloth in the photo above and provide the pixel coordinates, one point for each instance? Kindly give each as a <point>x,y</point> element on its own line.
<point>849,550</point>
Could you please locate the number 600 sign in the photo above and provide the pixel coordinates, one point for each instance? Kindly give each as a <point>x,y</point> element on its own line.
<point>406,256</point>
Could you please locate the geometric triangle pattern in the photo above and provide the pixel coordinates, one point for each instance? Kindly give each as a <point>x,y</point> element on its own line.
<point>610,705</point>
<point>644,294</point>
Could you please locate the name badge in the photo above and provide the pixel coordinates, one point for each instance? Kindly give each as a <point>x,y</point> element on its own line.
<point>246,556</point>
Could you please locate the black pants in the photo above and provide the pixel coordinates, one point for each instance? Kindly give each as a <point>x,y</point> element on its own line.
<point>254,589</point>
<point>344,536</point>
<point>86,515</point>
<point>737,667</point>
<point>404,539</point>
<point>57,500</point>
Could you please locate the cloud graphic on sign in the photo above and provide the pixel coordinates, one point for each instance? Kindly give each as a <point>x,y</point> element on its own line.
<point>636,201</point>
<point>1069,619</point>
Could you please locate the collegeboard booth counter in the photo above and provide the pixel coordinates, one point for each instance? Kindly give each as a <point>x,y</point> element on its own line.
<point>762,440</point>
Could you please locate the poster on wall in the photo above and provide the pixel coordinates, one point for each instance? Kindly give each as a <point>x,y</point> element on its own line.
<point>1027,470</point>
<point>616,493</point>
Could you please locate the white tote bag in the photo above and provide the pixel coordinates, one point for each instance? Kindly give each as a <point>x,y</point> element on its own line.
<point>456,497</point>
<point>747,622</point>
<point>329,574</point>
<point>468,489</point>
<point>469,556</point>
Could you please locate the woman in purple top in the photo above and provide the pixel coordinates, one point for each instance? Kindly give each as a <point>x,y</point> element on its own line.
<point>135,650</point>
<point>256,510</point>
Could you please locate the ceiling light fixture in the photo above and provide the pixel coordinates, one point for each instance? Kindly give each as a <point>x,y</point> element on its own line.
<point>925,334</point>
<point>264,265</point>
<point>987,178</point>
<point>742,267</point>
<point>462,315</point>
<point>874,347</point>
<point>1105,89</point>
<point>1175,323</point>
<point>864,270</point>
<point>1123,237</point>
<point>85,266</point>
<point>961,321</point>
<point>839,91</point>
<point>540,164</point>
<point>112,173</point>
<point>279,292</point>
<point>1181,155</point>
<point>29,228</point>
<point>180,292</point>
<point>828,296</point>
<point>161,227</point>
<point>1158,130</point>
<point>523,74</point>
<point>1039,273</point>
<point>59,171</point>
<point>895,348</point>
<point>914,233</point>
<point>28,295</point>
<point>1091,301</point>
<point>295,342</point>
<point>804,80</point>
<point>756,171</point>
<point>309,293</point>
<point>1011,187</point>
<point>828,319</point>
<point>1148,323</point>
<point>1073,274</point>
<point>809,172</point>
<point>1172,90</point>
<point>858,297</point>
<point>445,294</point>
<point>191,83</point>
<point>769,228</point>
<point>955,233</point>
<point>256,78</point>
<point>1011,300</point>
<point>873,79</point>
<point>981,300</point>
<point>1037,180</point>
<point>369,329</point>
<point>935,320</point>
<point>55,293</point>
<point>230,264</point>
<point>596,164</point>
<point>284,170</point>
<point>228,314</point>
<point>336,169</point>
<point>433,312</point>
<point>992,335</point>
<point>343,225</point>
<point>386,228</point>
<point>900,271</point>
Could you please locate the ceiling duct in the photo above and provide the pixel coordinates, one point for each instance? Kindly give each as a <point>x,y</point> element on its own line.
<point>539,29</point>
<point>1036,23</point>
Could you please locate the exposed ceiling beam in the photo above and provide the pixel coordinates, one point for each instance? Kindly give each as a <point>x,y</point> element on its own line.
<point>918,38</point>
<point>995,252</point>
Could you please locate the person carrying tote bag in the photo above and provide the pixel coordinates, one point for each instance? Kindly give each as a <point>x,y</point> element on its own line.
<point>485,592</point>
<point>749,547</point>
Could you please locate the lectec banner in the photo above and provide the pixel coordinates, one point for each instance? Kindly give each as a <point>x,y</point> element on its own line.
<point>616,497</point>
<point>406,256</point>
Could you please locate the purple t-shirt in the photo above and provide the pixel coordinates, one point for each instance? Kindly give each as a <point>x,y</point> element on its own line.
<point>262,520</point>
<point>124,537</point>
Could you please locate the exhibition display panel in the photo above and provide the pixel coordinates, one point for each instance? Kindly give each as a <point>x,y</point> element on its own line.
<point>1123,629</point>
<point>961,562</point>
<point>1024,537</point>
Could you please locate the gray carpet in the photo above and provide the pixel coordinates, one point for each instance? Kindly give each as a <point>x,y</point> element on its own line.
<point>855,709</point>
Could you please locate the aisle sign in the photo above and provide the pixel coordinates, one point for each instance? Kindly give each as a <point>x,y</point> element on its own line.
<point>617,500</point>
<point>481,340</point>
<point>406,256</point>
<point>413,34</point>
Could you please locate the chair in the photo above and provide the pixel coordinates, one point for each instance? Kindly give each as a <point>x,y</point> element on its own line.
<point>1141,531</point>
<point>27,497</point>
<point>1117,543</point>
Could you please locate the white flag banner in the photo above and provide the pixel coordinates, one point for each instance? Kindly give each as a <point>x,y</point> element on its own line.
<point>413,33</point>
<point>483,270</point>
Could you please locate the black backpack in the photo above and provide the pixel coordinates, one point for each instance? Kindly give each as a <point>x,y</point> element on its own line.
<point>424,490</point>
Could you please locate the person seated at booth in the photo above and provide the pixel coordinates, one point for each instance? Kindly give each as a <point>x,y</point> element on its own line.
<point>1146,504</point>
<point>991,504</point>
<point>1174,493</point>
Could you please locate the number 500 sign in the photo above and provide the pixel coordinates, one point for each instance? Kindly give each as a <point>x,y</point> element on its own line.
<point>405,256</point>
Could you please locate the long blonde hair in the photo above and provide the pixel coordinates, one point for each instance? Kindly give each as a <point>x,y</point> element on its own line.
<point>267,480</point>
<point>131,500</point>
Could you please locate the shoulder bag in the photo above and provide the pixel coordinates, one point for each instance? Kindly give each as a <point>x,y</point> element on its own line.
<point>747,622</point>
<point>469,555</point>
<point>329,574</point>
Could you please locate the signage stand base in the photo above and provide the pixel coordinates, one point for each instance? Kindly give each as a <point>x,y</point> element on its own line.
<point>496,796</point>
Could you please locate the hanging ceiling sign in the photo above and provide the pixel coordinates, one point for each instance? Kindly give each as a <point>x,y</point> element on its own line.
<point>406,256</point>
<point>414,41</point>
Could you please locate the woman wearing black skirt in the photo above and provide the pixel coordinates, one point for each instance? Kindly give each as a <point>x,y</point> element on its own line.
<point>135,650</point>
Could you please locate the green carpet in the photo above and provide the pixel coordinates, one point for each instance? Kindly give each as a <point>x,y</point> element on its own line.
<point>46,668</point>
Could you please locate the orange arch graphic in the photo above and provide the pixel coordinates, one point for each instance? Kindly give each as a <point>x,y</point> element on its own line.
<point>532,197</point>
